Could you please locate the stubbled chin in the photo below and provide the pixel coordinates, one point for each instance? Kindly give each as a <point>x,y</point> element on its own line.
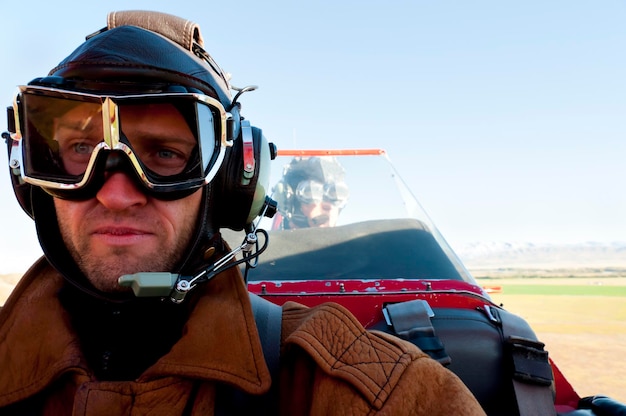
<point>103,273</point>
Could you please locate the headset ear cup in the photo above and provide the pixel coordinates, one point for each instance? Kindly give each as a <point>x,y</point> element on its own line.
<point>237,200</point>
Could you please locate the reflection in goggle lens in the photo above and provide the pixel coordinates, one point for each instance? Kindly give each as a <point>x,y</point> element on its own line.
<point>310,191</point>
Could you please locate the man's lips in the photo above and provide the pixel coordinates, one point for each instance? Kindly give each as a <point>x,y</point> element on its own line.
<point>121,235</point>
<point>118,231</point>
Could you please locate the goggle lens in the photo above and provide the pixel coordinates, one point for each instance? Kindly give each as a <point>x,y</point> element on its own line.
<point>310,191</point>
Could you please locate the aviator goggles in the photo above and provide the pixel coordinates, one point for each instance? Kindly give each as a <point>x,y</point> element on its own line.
<point>310,192</point>
<point>172,142</point>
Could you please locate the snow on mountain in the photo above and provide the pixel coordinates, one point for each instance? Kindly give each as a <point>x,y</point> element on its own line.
<point>532,255</point>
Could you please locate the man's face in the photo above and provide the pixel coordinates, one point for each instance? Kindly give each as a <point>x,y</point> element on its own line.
<point>320,214</point>
<point>122,230</point>
<point>320,203</point>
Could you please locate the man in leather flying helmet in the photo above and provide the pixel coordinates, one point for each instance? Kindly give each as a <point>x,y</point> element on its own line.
<point>311,193</point>
<point>130,156</point>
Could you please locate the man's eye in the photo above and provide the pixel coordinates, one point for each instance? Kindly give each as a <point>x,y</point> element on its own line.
<point>168,154</point>
<point>82,148</point>
<point>164,161</point>
<point>163,156</point>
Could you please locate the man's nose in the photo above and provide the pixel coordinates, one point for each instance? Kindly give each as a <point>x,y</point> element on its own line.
<point>120,192</point>
<point>327,205</point>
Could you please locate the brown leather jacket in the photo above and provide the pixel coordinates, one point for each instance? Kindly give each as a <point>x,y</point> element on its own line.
<point>329,364</point>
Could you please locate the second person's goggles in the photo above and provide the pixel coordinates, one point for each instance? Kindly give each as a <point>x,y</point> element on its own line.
<point>173,141</point>
<point>313,192</point>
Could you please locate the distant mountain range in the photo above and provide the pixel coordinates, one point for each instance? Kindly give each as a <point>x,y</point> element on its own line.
<point>560,259</point>
<point>496,255</point>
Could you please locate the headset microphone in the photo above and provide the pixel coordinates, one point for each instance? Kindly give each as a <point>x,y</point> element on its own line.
<point>176,286</point>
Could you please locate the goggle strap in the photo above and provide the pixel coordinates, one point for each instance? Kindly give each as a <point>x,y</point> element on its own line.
<point>230,128</point>
<point>11,120</point>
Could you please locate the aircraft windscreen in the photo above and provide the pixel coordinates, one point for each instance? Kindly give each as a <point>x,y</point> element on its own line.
<point>348,215</point>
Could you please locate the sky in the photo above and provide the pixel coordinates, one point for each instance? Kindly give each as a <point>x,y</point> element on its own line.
<point>507,119</point>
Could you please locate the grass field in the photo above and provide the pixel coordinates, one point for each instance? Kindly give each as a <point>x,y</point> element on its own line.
<point>554,290</point>
<point>581,321</point>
